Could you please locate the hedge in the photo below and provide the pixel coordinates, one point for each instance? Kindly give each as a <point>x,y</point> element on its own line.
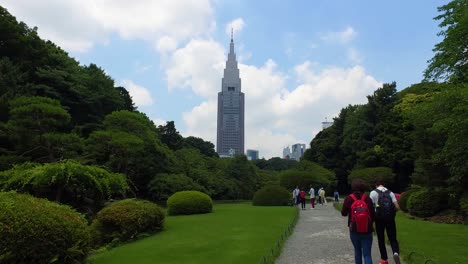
<point>189,202</point>
<point>125,219</point>
<point>272,195</point>
<point>34,230</point>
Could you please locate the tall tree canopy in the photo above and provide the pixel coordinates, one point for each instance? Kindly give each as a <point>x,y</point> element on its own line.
<point>450,61</point>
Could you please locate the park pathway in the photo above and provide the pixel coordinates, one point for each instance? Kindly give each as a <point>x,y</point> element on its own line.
<point>322,237</point>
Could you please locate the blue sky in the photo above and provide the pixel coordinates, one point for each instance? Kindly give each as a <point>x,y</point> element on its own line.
<point>300,61</point>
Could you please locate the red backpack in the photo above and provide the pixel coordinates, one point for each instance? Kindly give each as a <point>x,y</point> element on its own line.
<point>361,221</point>
<point>302,194</point>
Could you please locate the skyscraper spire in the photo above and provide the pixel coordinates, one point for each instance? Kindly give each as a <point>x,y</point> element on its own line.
<point>232,35</point>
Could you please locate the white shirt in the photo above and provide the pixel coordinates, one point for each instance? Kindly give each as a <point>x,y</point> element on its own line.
<point>375,195</point>
<point>296,192</point>
<point>312,193</point>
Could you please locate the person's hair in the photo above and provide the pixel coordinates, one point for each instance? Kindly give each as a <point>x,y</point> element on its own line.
<point>379,181</point>
<point>358,185</point>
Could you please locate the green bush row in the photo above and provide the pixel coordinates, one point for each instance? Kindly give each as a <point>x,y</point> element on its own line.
<point>272,195</point>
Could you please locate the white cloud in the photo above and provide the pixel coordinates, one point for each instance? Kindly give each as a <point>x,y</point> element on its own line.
<point>141,96</point>
<point>235,25</point>
<point>166,43</point>
<point>159,121</point>
<point>77,25</point>
<point>343,37</point>
<point>198,66</point>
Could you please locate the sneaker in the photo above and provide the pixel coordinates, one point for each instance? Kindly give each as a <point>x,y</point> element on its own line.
<point>396,257</point>
<point>383,261</point>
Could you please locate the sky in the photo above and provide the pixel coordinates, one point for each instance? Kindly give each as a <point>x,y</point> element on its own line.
<point>300,61</point>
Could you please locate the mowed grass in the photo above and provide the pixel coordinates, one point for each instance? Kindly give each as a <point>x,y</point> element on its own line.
<point>232,233</point>
<point>443,243</point>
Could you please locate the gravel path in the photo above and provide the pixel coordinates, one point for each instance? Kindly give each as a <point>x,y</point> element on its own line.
<point>322,237</point>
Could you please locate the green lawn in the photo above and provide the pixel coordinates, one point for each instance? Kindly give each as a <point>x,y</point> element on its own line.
<point>443,243</point>
<point>233,233</point>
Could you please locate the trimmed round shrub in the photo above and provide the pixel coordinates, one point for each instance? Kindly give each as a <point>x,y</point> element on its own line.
<point>34,230</point>
<point>403,201</point>
<point>189,202</point>
<point>370,175</point>
<point>272,195</point>
<point>424,203</point>
<point>125,219</point>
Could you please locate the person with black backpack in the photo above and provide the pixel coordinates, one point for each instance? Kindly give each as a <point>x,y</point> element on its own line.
<point>386,205</point>
<point>360,211</point>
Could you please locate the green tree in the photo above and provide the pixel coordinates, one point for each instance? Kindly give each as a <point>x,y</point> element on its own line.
<point>450,61</point>
<point>170,136</point>
<point>205,147</point>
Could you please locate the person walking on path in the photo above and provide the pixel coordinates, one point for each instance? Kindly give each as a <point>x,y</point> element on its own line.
<point>296,196</point>
<point>318,195</point>
<point>302,195</point>
<point>386,206</point>
<point>336,195</point>
<point>322,196</point>
<point>312,197</point>
<point>360,211</point>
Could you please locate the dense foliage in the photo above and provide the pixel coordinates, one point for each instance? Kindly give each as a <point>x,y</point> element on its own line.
<point>307,174</point>
<point>272,195</point>
<point>126,219</point>
<point>424,203</point>
<point>69,182</point>
<point>189,202</point>
<point>370,175</point>
<point>35,230</point>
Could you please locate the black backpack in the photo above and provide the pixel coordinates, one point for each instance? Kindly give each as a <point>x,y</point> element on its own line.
<point>384,209</point>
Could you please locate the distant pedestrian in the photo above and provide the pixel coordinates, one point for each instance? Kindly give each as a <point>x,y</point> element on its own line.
<point>360,211</point>
<point>320,201</point>
<point>386,206</point>
<point>337,196</point>
<point>322,196</point>
<point>312,197</point>
<point>296,198</point>
<point>302,195</point>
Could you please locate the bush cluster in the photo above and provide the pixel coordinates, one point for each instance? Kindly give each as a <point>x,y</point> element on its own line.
<point>424,203</point>
<point>34,230</point>
<point>272,195</point>
<point>403,201</point>
<point>370,175</point>
<point>189,202</point>
<point>125,219</point>
<point>464,204</point>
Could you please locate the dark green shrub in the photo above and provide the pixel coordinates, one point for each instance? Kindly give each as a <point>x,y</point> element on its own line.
<point>305,174</point>
<point>464,204</point>
<point>163,185</point>
<point>125,219</point>
<point>424,203</point>
<point>403,201</point>
<point>370,175</point>
<point>189,202</point>
<point>34,230</point>
<point>272,195</point>
<point>68,182</point>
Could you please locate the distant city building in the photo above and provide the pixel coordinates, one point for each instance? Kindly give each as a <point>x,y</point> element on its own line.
<point>252,154</point>
<point>326,124</point>
<point>230,130</point>
<point>286,153</point>
<point>297,151</point>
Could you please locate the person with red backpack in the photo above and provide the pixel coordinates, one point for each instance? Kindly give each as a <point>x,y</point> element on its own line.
<point>360,211</point>
<point>302,195</point>
<point>386,206</point>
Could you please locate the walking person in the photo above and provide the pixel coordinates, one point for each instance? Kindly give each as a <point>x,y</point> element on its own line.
<point>320,201</point>
<point>296,198</point>
<point>302,195</point>
<point>386,206</point>
<point>360,211</point>
<point>322,196</point>
<point>337,196</point>
<point>312,197</point>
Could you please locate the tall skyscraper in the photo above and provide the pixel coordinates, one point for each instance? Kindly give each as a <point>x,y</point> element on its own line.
<point>230,137</point>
